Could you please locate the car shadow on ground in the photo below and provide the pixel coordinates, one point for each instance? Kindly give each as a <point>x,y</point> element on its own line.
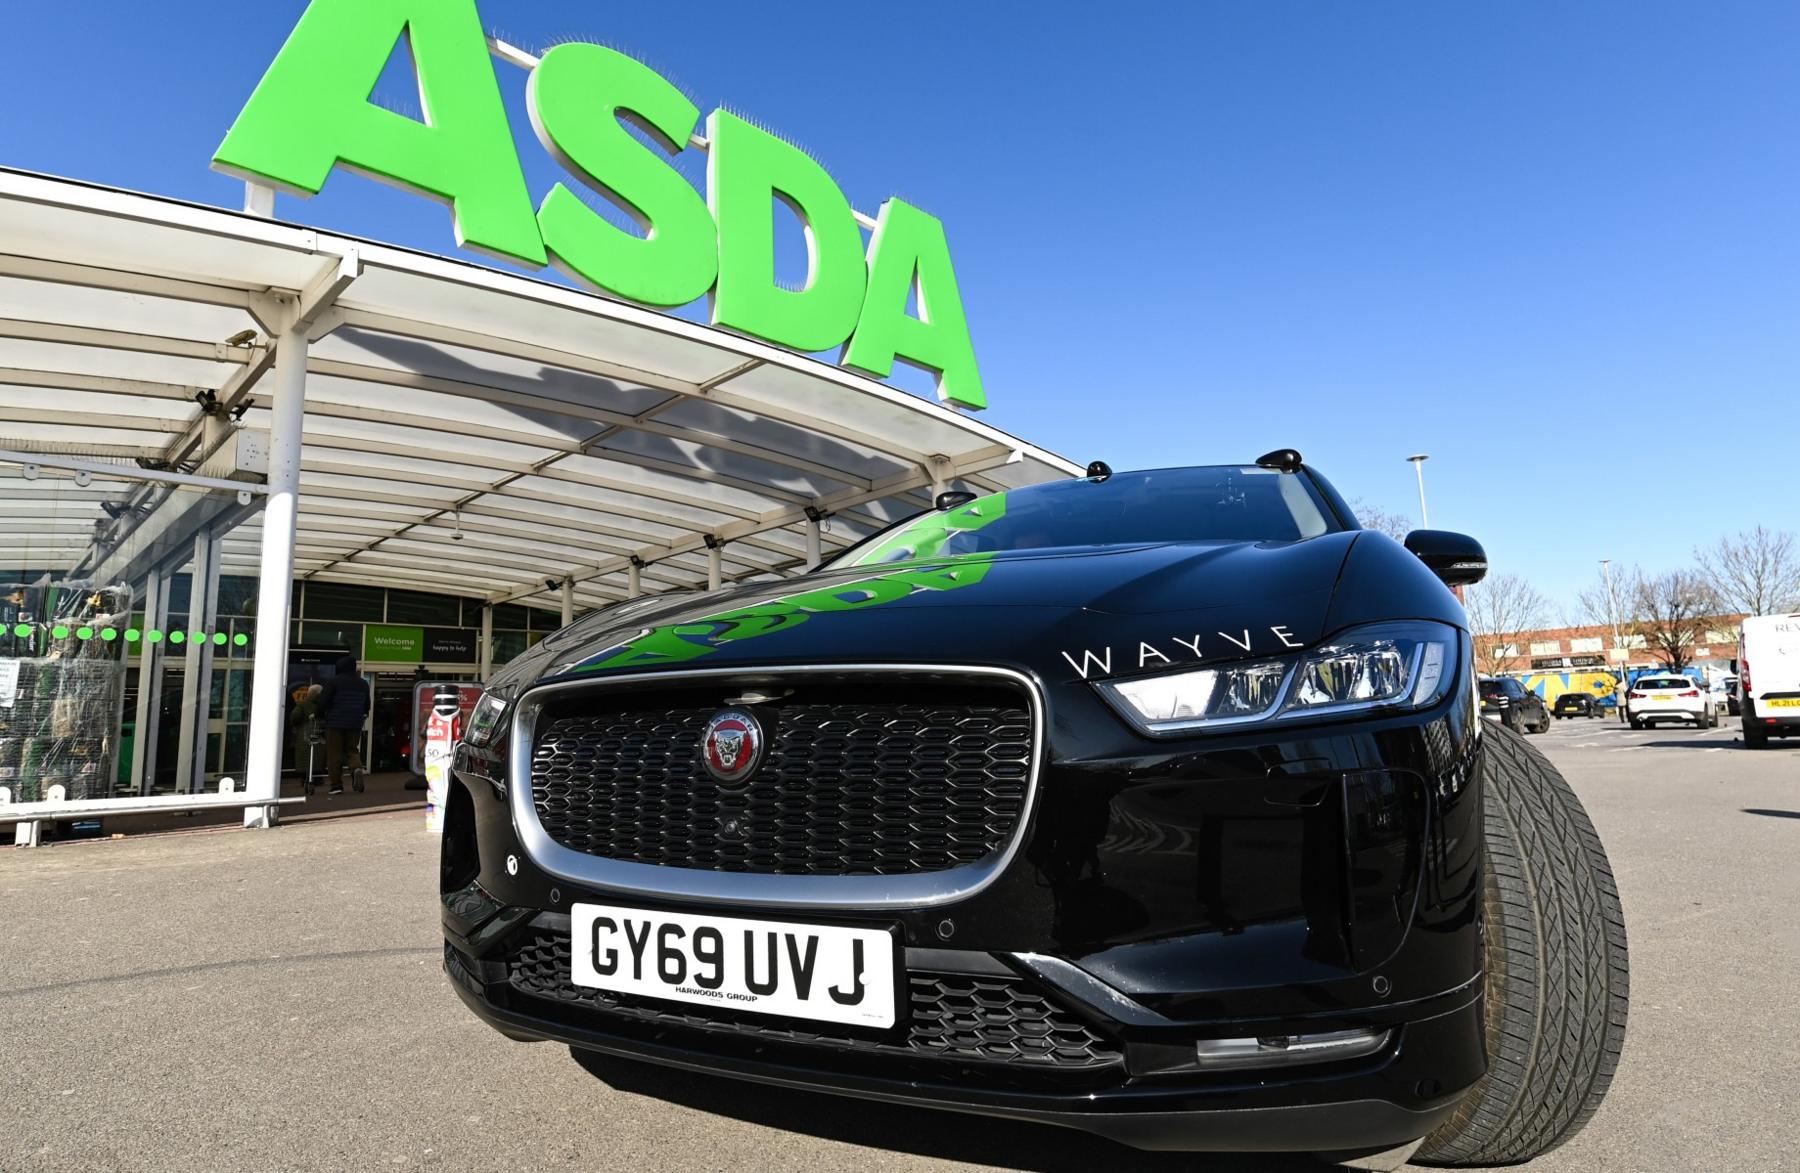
<point>1756,810</point>
<point>1693,743</point>
<point>947,1136</point>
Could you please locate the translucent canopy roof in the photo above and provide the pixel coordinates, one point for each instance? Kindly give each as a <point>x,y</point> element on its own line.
<point>561,434</point>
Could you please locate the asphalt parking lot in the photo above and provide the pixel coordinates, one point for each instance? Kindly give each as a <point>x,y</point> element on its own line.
<point>232,1000</point>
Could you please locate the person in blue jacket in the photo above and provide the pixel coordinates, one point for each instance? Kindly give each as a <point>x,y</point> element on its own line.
<point>344,705</point>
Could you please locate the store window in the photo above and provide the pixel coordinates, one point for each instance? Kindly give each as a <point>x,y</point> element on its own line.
<point>237,594</point>
<point>332,635</point>
<point>419,607</point>
<point>336,600</point>
<point>507,645</point>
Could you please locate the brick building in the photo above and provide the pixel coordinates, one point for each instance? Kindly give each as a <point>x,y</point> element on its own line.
<point>1553,649</point>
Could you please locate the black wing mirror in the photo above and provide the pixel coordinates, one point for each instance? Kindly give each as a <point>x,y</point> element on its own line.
<point>1458,559</point>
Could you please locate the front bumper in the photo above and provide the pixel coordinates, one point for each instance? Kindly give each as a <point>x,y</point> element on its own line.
<point>1223,887</point>
<point>1666,713</point>
<point>1377,1101</point>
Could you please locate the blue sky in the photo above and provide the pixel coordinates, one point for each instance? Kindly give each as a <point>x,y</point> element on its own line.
<point>1554,245</point>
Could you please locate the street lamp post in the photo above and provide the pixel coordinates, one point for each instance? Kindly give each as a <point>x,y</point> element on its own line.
<point>1612,617</point>
<point>1418,460</point>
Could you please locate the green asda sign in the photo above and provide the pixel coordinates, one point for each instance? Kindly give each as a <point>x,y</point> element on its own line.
<point>311,113</point>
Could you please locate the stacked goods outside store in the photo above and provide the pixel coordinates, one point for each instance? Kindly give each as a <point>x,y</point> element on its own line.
<point>59,695</point>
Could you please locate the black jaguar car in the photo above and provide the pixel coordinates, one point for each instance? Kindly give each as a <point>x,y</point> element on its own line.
<point>1156,804</point>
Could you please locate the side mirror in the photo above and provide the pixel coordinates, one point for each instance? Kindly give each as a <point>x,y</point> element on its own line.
<point>1458,559</point>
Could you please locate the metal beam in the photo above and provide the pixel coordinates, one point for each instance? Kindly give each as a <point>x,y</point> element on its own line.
<point>94,336</point>
<point>127,472</point>
<point>124,281</point>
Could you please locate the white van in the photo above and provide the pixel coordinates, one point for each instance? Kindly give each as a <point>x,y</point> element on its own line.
<point>1769,677</point>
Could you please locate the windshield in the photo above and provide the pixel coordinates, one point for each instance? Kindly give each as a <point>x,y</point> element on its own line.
<point>1494,688</point>
<point>1225,503</point>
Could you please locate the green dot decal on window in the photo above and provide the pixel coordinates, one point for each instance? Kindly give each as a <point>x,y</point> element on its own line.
<point>21,629</point>
<point>59,632</point>
<point>219,638</point>
<point>176,637</point>
<point>132,635</point>
<point>109,633</point>
<point>84,633</point>
<point>240,639</point>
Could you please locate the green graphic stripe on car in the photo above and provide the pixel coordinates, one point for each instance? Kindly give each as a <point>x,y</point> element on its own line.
<point>689,641</point>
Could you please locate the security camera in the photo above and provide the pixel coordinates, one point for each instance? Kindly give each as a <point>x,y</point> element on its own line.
<point>456,535</point>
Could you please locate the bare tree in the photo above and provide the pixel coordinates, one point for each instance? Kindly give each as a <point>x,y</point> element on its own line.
<point>1394,525</point>
<point>1501,609</point>
<point>1757,572</point>
<point>1610,604</point>
<point>1674,612</point>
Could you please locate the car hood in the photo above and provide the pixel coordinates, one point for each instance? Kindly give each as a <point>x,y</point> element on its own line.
<point>1110,610</point>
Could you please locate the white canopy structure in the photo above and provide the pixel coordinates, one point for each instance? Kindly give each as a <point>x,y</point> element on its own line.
<point>424,423</point>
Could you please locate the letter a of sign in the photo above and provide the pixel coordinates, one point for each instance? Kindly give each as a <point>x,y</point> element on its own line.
<point>311,111</point>
<point>908,251</point>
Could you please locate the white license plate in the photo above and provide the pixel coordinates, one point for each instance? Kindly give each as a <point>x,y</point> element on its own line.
<point>830,973</point>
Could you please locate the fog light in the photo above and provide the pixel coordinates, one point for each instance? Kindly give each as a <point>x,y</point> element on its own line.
<point>1289,1050</point>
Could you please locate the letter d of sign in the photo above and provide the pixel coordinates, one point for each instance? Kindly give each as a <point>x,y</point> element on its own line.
<point>311,111</point>
<point>747,168</point>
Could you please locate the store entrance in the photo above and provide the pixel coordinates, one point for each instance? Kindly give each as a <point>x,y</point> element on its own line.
<point>391,726</point>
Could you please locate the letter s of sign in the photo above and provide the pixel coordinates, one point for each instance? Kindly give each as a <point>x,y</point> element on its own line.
<point>577,96</point>
<point>311,111</point>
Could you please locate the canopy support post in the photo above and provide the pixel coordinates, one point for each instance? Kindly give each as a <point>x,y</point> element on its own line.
<point>275,576</point>
<point>196,685</point>
<point>487,642</point>
<point>149,690</point>
<point>568,601</point>
<point>813,525</point>
<point>634,582</point>
<point>715,575</point>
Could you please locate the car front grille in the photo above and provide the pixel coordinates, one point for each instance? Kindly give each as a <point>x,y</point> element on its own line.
<point>984,1020</point>
<point>889,778</point>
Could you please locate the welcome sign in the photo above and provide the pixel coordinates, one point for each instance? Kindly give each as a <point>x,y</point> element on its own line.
<point>311,113</point>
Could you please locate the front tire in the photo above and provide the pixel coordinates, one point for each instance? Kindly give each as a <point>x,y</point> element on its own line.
<point>1557,974</point>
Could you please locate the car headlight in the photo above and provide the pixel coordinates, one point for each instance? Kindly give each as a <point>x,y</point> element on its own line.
<point>484,720</point>
<point>1398,665</point>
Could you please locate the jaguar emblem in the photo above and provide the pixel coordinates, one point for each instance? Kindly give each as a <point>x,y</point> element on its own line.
<point>732,745</point>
